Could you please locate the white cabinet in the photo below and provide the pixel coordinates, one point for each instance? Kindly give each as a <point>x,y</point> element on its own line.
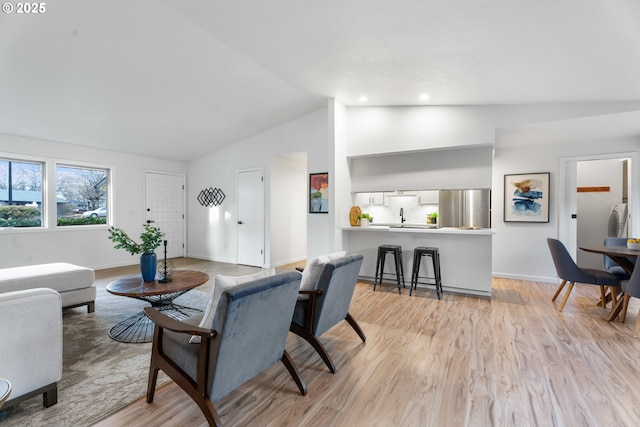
<point>372,198</point>
<point>429,197</point>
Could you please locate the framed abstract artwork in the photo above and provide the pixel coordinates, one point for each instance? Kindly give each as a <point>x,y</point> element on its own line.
<point>319,192</point>
<point>526,197</point>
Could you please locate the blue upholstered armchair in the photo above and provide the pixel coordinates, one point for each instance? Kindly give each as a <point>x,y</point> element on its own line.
<point>328,304</point>
<point>247,335</point>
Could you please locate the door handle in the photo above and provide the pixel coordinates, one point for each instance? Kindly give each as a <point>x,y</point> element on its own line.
<point>239,222</point>
<point>149,221</point>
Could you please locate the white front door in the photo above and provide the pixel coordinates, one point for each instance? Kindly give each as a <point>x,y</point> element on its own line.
<point>251,218</point>
<point>164,208</point>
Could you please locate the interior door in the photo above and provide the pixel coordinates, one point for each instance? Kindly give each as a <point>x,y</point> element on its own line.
<point>251,217</point>
<point>164,208</point>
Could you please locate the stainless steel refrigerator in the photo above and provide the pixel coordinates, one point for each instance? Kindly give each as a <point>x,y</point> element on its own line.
<point>464,208</point>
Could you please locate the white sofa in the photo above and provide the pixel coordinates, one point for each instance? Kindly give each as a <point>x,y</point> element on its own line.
<point>72,282</point>
<point>31,344</point>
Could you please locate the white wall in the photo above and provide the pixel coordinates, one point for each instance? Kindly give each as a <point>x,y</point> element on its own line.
<point>426,170</point>
<point>342,180</point>
<point>288,227</point>
<point>520,250</point>
<point>87,246</point>
<point>384,130</point>
<point>212,232</point>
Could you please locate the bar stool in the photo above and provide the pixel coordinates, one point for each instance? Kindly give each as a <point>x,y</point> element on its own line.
<point>383,250</point>
<point>418,253</point>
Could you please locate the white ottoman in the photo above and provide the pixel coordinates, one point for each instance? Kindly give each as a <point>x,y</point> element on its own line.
<point>72,282</point>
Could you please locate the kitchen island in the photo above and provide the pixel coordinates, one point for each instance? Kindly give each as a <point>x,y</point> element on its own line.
<point>465,254</point>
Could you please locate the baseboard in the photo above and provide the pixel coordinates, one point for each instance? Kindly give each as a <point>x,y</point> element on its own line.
<point>291,261</point>
<point>208,258</point>
<point>542,279</point>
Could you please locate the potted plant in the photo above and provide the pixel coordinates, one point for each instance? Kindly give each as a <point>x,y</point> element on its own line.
<point>150,239</point>
<point>433,218</point>
<point>365,219</point>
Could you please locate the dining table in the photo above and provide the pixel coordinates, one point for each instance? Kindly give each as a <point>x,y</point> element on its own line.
<point>622,255</point>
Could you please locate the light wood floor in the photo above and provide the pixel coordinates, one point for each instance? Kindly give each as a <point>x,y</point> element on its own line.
<point>461,361</point>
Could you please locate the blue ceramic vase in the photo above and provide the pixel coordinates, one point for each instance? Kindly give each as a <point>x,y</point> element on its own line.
<point>148,265</point>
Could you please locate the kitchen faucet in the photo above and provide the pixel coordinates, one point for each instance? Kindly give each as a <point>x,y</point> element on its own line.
<point>402,215</point>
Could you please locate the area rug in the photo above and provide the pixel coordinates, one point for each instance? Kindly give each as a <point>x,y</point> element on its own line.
<point>99,375</point>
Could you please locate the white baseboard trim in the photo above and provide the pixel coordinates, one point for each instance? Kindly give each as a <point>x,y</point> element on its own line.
<point>291,261</point>
<point>543,279</point>
<point>208,258</point>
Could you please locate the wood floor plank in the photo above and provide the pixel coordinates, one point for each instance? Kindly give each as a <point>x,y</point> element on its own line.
<point>512,360</point>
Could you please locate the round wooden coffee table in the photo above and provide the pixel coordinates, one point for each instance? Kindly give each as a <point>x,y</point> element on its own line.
<point>139,328</point>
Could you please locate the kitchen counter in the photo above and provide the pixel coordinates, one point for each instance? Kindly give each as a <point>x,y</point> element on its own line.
<point>465,254</point>
<point>415,228</point>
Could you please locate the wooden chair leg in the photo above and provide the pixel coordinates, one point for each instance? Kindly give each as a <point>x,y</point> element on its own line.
<point>613,291</point>
<point>558,290</point>
<point>625,306</point>
<point>637,328</point>
<point>210,413</point>
<point>615,311</point>
<point>316,344</point>
<point>291,367</point>
<point>356,327</point>
<point>186,383</point>
<point>151,384</point>
<point>603,297</point>
<point>153,364</point>
<point>566,296</point>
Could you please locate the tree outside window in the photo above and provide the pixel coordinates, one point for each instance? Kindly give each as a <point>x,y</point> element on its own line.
<point>82,195</point>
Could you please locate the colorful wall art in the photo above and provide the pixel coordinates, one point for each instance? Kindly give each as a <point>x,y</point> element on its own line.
<point>319,192</point>
<point>526,197</point>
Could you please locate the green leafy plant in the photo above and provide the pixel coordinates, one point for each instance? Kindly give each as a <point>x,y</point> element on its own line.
<point>365,216</point>
<point>19,216</point>
<point>151,238</point>
<point>432,218</point>
<point>62,221</point>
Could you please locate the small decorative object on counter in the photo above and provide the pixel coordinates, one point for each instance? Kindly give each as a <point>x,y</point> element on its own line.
<point>354,216</point>
<point>432,218</point>
<point>365,219</point>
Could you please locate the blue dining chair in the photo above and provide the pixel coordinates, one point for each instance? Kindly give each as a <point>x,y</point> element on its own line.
<point>569,271</point>
<point>631,288</point>
<point>610,265</point>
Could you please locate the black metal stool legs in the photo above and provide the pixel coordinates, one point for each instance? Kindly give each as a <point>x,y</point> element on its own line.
<point>396,250</point>
<point>399,269</point>
<point>434,254</point>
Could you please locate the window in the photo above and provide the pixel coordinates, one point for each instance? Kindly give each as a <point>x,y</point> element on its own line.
<point>82,195</point>
<point>21,193</point>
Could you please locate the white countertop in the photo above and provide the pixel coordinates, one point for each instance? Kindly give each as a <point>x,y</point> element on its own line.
<point>410,229</point>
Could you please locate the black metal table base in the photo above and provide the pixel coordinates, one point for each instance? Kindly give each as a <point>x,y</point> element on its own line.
<point>139,328</point>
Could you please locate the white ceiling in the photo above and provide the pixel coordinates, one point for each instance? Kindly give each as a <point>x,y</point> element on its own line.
<point>179,79</point>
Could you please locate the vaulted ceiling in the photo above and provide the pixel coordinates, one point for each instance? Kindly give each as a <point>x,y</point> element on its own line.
<point>183,78</point>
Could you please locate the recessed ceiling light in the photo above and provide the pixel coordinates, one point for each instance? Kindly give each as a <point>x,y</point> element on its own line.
<point>424,96</point>
<point>363,98</point>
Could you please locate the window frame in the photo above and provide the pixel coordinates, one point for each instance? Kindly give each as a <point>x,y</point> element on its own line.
<point>10,157</point>
<point>49,187</point>
<point>109,199</point>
